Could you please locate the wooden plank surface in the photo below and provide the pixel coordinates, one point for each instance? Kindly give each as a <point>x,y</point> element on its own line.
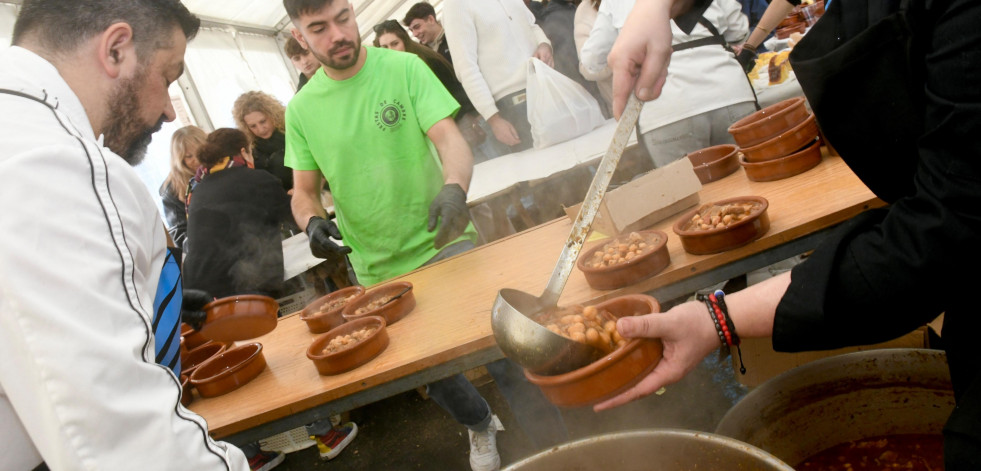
<point>454,297</point>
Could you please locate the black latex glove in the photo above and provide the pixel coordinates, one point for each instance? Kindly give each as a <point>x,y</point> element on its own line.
<point>191,307</point>
<point>450,208</point>
<point>747,58</point>
<point>320,230</point>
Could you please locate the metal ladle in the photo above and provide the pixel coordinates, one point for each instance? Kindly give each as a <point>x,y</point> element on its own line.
<point>519,336</point>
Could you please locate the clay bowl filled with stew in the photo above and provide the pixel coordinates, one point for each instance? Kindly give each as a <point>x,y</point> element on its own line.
<point>620,261</point>
<point>379,301</point>
<point>627,362</point>
<point>769,122</point>
<point>786,143</point>
<point>349,345</point>
<point>229,370</point>
<point>200,355</point>
<point>240,317</point>
<point>714,163</point>
<point>325,312</point>
<point>701,234</point>
<point>783,167</point>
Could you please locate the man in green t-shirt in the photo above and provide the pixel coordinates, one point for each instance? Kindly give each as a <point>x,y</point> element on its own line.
<point>378,125</point>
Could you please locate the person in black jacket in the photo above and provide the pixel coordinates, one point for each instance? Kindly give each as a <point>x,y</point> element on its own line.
<point>234,218</point>
<point>173,193</point>
<point>262,118</point>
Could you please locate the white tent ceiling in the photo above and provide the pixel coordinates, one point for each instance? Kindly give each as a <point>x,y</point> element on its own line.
<point>269,15</point>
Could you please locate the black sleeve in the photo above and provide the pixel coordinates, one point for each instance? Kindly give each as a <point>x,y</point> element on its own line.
<point>888,271</point>
<point>175,216</point>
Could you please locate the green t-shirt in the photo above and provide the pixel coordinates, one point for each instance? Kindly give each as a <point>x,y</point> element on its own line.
<point>367,134</point>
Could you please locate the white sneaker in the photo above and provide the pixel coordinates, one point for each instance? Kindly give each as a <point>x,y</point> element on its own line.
<point>483,447</point>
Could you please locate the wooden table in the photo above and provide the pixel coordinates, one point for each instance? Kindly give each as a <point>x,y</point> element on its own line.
<point>449,331</point>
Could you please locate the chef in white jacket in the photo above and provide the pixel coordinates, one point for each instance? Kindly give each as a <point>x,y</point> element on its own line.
<point>81,90</point>
<point>706,89</point>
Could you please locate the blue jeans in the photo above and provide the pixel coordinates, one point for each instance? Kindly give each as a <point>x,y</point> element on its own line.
<point>539,419</point>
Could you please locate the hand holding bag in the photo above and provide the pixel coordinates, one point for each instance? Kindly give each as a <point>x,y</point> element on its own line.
<point>559,109</point>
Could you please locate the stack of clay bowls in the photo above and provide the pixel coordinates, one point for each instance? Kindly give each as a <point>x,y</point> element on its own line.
<point>778,141</point>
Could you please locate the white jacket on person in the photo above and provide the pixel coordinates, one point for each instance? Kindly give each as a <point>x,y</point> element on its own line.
<point>699,79</point>
<point>83,246</point>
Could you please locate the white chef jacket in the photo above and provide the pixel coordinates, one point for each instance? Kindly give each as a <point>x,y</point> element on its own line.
<point>700,79</point>
<point>81,254</point>
<point>490,42</point>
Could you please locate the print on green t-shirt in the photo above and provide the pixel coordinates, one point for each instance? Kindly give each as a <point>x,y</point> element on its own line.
<point>367,135</point>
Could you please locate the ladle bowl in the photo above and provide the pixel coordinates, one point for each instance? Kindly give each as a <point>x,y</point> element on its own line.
<point>519,336</point>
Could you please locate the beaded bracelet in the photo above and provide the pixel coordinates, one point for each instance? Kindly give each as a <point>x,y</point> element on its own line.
<point>715,302</point>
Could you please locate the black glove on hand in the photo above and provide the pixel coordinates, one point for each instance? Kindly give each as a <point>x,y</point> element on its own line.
<point>191,307</point>
<point>320,230</point>
<point>450,205</point>
<point>747,58</point>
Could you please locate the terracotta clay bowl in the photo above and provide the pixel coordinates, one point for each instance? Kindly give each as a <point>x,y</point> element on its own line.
<point>200,355</point>
<point>187,391</point>
<point>651,261</point>
<point>191,338</point>
<point>353,356</point>
<point>392,312</point>
<point>319,322</point>
<point>714,163</point>
<point>612,374</point>
<point>240,317</point>
<point>229,370</point>
<point>784,167</point>
<point>785,32</point>
<point>769,122</point>
<point>715,240</point>
<point>790,20</point>
<point>785,144</point>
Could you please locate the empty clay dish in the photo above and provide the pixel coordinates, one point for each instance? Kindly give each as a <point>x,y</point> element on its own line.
<point>776,169</point>
<point>199,355</point>
<point>769,122</point>
<point>612,374</point>
<point>392,311</point>
<point>346,359</point>
<point>229,370</point>
<point>713,163</point>
<point>191,338</point>
<point>736,234</point>
<point>240,317</point>
<point>652,259</point>
<point>187,391</point>
<point>785,144</point>
<point>319,322</point>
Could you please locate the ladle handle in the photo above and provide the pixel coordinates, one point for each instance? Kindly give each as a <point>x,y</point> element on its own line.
<point>625,127</point>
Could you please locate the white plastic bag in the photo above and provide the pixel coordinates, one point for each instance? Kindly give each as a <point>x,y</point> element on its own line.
<point>559,109</point>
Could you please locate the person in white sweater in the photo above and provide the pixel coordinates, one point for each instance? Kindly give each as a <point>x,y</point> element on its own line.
<point>705,90</point>
<point>491,42</point>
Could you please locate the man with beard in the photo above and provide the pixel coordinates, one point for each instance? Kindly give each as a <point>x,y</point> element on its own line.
<point>372,144</point>
<point>82,89</point>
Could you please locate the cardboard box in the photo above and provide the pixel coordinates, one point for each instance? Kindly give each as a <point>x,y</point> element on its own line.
<point>763,363</point>
<point>641,203</point>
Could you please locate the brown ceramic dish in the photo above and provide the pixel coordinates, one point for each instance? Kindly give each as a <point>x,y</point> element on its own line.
<point>191,338</point>
<point>785,144</point>
<point>769,122</point>
<point>701,242</point>
<point>790,20</point>
<point>714,163</point>
<point>649,263</point>
<point>612,374</point>
<point>240,317</point>
<point>200,355</point>
<point>351,357</point>
<point>187,391</point>
<point>229,370</point>
<point>783,167</point>
<point>785,32</point>
<point>392,312</point>
<point>319,322</point>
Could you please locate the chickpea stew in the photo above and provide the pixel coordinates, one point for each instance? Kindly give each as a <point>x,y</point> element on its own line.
<point>335,304</point>
<point>373,304</point>
<point>344,342</point>
<point>721,216</point>
<point>584,324</point>
<point>623,249</point>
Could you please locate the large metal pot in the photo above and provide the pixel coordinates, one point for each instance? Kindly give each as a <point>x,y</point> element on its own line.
<point>643,450</point>
<point>842,398</point>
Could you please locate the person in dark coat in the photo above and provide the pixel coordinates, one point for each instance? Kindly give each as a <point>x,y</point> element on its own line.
<point>173,192</point>
<point>262,118</point>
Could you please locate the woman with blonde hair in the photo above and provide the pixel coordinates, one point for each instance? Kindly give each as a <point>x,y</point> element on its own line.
<point>184,145</point>
<point>263,119</point>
